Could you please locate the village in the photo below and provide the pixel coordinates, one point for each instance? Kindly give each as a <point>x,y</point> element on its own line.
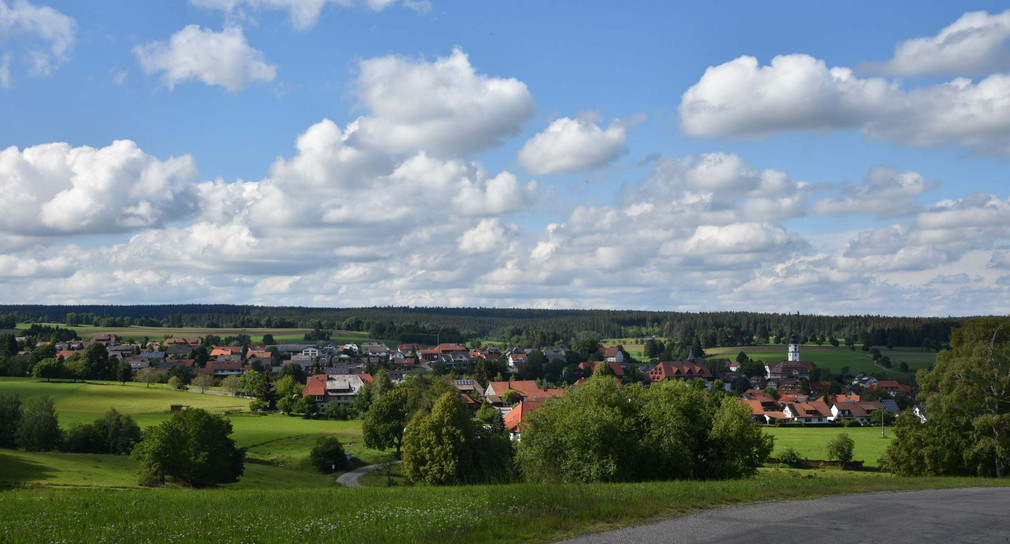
<point>335,374</point>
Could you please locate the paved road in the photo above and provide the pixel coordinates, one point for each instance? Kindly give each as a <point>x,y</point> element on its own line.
<point>350,479</point>
<point>977,515</point>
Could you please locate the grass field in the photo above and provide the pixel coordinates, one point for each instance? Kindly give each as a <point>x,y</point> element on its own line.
<point>507,513</point>
<point>812,442</point>
<point>836,358</point>
<point>291,336</point>
<point>277,439</point>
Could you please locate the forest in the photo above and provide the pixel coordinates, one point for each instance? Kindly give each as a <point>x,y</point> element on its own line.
<point>429,325</point>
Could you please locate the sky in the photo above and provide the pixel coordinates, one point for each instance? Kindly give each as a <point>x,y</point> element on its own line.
<point>813,157</point>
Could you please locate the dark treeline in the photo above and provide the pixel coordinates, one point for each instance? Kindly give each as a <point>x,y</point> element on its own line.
<point>533,326</point>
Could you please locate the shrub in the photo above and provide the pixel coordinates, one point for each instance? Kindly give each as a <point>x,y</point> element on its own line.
<point>790,457</point>
<point>328,455</point>
<point>10,419</point>
<point>114,433</point>
<point>840,448</point>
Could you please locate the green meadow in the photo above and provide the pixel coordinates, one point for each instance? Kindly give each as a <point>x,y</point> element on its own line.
<point>835,358</point>
<point>812,442</point>
<point>275,440</point>
<point>291,336</point>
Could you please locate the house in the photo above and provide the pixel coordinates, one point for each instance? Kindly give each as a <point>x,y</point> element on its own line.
<point>222,368</point>
<point>311,351</point>
<point>106,339</point>
<point>891,387</point>
<point>429,355</point>
<point>405,364</point>
<point>784,370</point>
<point>335,388</point>
<point>514,420</point>
<point>919,411</point>
<point>179,351</point>
<point>407,349</point>
<point>612,354</point>
<point>490,351</point>
<point>137,362</point>
<point>469,387</point>
<point>218,351</point>
<point>154,355</point>
<point>527,390</point>
<point>734,366</point>
<point>684,370</point>
<point>808,413</point>
<point>516,360</point>
<point>588,368</point>
<point>861,412</point>
<point>552,353</point>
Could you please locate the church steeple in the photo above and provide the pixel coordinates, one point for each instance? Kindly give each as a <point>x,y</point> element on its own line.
<point>794,349</point>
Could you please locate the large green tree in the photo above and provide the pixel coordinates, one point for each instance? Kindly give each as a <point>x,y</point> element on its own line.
<point>10,419</point>
<point>968,405</point>
<point>192,447</point>
<point>39,429</point>
<point>437,447</point>
<point>386,419</point>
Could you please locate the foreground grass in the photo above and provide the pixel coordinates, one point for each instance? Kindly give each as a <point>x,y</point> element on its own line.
<point>509,513</point>
<point>812,442</point>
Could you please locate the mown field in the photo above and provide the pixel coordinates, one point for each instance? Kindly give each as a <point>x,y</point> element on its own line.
<point>506,513</point>
<point>292,336</point>
<point>812,442</point>
<point>835,358</point>
<point>278,440</point>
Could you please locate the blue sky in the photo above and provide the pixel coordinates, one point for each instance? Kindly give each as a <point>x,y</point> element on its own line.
<point>813,157</point>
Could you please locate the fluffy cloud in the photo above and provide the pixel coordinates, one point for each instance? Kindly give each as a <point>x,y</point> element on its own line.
<point>214,58</point>
<point>48,35</point>
<point>442,107</point>
<point>800,93</point>
<point>55,189</point>
<point>570,145</point>
<point>973,44</point>
<point>885,192</point>
<point>304,14</point>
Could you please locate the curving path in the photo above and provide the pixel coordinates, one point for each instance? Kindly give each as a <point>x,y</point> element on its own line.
<point>975,515</point>
<point>350,478</point>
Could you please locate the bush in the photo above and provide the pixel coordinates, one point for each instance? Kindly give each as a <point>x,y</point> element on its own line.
<point>175,383</point>
<point>114,433</point>
<point>790,457</point>
<point>840,448</point>
<point>328,455</point>
<point>336,411</point>
<point>192,447</point>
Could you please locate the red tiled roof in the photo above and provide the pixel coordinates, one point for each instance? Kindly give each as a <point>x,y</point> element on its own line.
<point>590,367</point>
<point>527,388</point>
<point>365,377</point>
<point>315,386</point>
<point>444,347</point>
<point>681,369</point>
<point>514,419</point>
<point>610,352</point>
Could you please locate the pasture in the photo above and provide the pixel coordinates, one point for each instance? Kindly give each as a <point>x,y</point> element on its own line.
<point>812,442</point>
<point>835,358</point>
<point>276,439</point>
<point>283,336</point>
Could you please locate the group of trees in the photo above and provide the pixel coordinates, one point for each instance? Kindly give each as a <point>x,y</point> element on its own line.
<point>967,401</point>
<point>192,447</point>
<point>603,431</point>
<point>34,426</point>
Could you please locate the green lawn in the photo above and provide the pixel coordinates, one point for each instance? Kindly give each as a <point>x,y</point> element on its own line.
<point>379,478</point>
<point>835,358</point>
<point>812,442</point>
<point>276,439</point>
<point>506,513</point>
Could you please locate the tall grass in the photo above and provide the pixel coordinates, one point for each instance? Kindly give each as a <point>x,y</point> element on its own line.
<point>507,513</point>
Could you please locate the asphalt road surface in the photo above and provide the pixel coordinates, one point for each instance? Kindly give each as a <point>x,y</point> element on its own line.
<point>350,479</point>
<point>976,516</point>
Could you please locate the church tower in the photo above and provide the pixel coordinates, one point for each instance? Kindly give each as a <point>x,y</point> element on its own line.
<point>794,349</point>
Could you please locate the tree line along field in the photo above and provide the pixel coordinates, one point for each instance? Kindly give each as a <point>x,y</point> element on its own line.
<point>834,359</point>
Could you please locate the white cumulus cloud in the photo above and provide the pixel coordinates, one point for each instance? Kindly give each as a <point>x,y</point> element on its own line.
<point>570,145</point>
<point>215,58</point>
<point>443,106</point>
<point>304,14</point>
<point>740,99</point>
<point>53,189</point>
<point>885,192</point>
<point>976,43</point>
